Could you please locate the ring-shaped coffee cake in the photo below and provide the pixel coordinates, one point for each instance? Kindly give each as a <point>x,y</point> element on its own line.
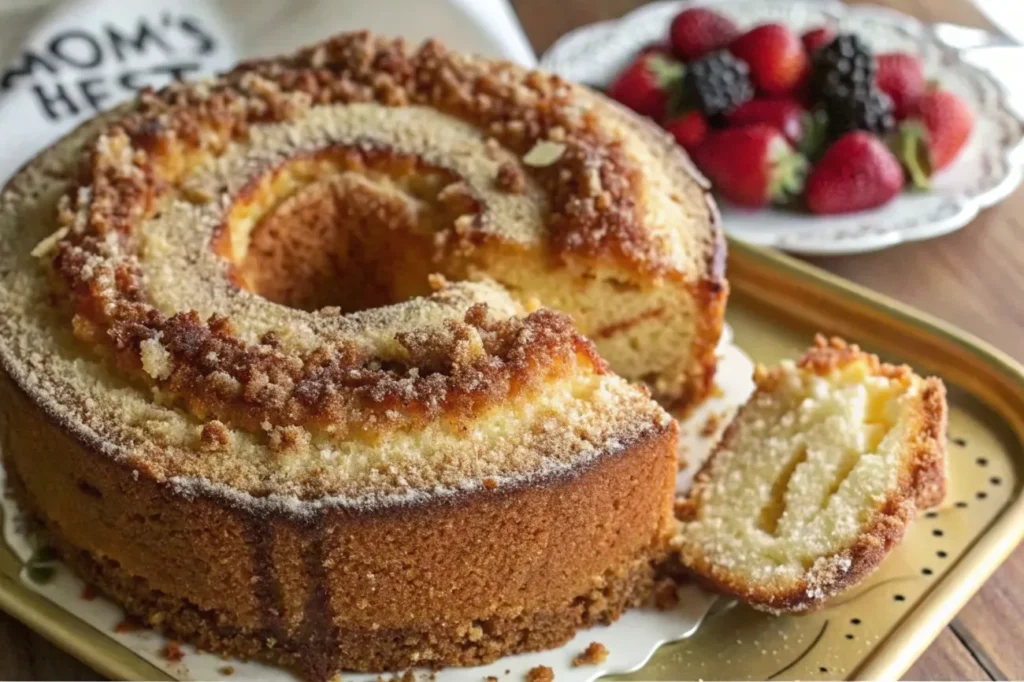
<point>284,375</point>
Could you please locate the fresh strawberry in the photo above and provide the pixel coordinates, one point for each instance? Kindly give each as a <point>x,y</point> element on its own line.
<point>857,172</point>
<point>817,37</point>
<point>689,130</point>
<point>697,31</point>
<point>776,58</point>
<point>901,76</point>
<point>785,115</point>
<point>933,136</point>
<point>752,165</point>
<point>805,130</point>
<point>648,84</point>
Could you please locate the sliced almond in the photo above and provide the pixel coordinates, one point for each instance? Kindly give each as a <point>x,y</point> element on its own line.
<point>47,245</point>
<point>544,153</point>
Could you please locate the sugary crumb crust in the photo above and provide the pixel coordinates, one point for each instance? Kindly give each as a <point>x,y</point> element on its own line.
<point>921,483</point>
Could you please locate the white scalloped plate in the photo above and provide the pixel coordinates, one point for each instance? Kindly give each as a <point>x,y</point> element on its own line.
<point>987,170</point>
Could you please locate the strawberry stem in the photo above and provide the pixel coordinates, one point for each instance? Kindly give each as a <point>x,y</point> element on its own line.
<point>788,173</point>
<point>911,148</point>
<point>668,72</point>
<point>815,133</point>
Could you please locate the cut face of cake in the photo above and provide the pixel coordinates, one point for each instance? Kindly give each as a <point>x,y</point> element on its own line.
<point>816,479</point>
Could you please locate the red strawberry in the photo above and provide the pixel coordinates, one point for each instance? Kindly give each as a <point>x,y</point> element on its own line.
<point>697,31</point>
<point>856,173</point>
<point>689,130</point>
<point>785,115</point>
<point>648,83</point>
<point>817,37</point>
<point>901,76</point>
<point>776,58</point>
<point>805,130</point>
<point>751,166</point>
<point>934,135</point>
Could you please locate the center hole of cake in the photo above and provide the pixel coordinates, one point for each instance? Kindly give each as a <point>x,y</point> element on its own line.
<point>348,228</point>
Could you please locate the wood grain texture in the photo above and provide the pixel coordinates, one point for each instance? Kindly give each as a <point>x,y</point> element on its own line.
<point>948,659</point>
<point>973,278</point>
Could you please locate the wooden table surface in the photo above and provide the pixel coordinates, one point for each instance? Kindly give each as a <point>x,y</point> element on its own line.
<point>973,278</point>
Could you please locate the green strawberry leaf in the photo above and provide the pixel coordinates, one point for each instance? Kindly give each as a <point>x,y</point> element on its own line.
<point>788,174</point>
<point>667,72</point>
<point>815,134</point>
<point>910,145</point>
<point>678,103</point>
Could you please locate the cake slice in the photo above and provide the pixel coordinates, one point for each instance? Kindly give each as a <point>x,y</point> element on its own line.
<point>816,479</point>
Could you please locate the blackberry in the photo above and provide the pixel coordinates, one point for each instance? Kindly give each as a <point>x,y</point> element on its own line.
<point>718,83</point>
<point>843,69</point>
<point>871,110</point>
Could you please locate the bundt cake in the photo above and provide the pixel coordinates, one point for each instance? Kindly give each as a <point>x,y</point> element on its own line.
<point>816,479</point>
<point>283,372</point>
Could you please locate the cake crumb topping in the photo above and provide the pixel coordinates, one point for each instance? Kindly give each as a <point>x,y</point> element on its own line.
<point>172,651</point>
<point>595,654</point>
<point>540,673</point>
<point>666,594</point>
<point>156,361</point>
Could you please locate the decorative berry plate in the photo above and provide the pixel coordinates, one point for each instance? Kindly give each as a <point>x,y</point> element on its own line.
<point>990,166</point>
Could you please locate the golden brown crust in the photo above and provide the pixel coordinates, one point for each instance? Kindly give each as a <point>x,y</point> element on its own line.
<point>362,649</point>
<point>928,480</point>
<point>461,581</point>
<point>921,484</point>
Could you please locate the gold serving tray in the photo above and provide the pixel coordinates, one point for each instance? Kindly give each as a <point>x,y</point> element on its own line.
<point>876,631</point>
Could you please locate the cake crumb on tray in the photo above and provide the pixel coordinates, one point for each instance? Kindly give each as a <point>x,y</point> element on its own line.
<point>595,654</point>
<point>540,673</point>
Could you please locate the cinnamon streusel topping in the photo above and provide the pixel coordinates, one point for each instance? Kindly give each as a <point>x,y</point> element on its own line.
<point>145,256</point>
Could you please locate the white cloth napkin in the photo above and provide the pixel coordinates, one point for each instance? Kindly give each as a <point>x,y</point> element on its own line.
<point>65,62</point>
<point>88,55</point>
